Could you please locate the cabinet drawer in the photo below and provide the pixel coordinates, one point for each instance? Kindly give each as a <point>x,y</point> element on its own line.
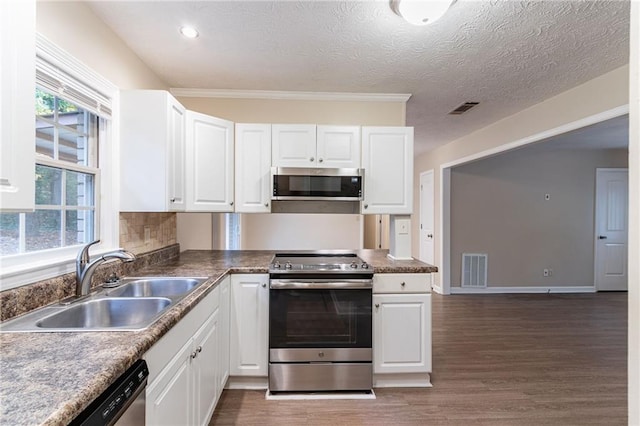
<point>402,283</point>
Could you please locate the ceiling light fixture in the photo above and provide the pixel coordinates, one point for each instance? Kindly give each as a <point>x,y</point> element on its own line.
<point>189,32</point>
<point>420,12</point>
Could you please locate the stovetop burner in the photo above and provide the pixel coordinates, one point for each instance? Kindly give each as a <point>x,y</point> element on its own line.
<point>318,262</point>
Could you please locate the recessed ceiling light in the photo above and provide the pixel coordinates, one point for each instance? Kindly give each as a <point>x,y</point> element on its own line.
<point>189,32</point>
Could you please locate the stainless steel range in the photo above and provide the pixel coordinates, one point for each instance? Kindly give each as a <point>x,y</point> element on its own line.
<point>320,322</point>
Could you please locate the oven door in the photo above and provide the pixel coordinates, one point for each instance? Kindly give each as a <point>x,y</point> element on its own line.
<point>325,323</point>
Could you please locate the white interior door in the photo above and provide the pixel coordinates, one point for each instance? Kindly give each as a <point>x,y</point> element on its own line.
<point>426,217</point>
<point>612,199</point>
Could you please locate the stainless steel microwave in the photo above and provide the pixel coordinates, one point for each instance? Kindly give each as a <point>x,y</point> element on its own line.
<point>299,183</point>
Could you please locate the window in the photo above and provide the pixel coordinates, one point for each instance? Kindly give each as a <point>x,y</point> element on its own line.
<point>232,231</point>
<point>76,172</point>
<point>66,179</point>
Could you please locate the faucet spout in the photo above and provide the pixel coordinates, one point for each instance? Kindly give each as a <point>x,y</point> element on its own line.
<point>85,269</point>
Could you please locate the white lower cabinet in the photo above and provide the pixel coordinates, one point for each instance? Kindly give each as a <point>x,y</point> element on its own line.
<point>401,330</point>
<point>249,325</point>
<point>186,372</point>
<point>168,397</point>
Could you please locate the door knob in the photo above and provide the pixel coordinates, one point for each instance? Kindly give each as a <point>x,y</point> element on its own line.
<point>602,237</point>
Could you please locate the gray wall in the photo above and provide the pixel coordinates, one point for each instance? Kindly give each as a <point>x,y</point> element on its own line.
<point>498,207</point>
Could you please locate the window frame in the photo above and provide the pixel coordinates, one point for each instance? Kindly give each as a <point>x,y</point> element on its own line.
<point>26,268</point>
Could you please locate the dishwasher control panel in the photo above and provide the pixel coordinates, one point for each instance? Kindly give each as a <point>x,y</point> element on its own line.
<point>114,401</point>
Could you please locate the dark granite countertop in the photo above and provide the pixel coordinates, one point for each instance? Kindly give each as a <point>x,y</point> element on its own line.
<point>49,378</point>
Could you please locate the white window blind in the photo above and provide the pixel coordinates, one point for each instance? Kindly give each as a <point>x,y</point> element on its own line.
<point>57,81</point>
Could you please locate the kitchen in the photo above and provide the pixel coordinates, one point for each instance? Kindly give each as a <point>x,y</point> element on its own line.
<point>130,73</point>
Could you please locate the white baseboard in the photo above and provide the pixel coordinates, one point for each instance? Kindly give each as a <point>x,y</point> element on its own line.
<point>402,380</point>
<point>247,382</point>
<point>500,290</point>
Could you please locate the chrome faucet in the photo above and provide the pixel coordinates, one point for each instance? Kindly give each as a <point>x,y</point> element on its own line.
<point>85,269</point>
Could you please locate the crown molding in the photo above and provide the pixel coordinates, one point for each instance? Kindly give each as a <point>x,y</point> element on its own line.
<point>287,95</point>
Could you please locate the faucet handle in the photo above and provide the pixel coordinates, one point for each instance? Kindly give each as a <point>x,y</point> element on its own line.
<point>83,256</point>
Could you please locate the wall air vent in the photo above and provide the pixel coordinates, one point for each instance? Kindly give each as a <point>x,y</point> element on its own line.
<point>464,108</point>
<point>474,270</point>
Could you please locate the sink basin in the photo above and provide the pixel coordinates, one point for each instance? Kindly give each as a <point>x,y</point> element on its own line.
<point>107,313</point>
<point>132,306</point>
<point>156,287</point>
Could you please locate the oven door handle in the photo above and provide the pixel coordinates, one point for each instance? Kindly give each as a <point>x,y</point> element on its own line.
<point>320,284</point>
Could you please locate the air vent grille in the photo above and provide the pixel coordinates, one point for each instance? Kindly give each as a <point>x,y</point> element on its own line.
<point>464,108</point>
<point>474,270</point>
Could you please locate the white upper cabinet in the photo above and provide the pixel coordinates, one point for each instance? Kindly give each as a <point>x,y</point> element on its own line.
<point>307,145</point>
<point>152,152</point>
<point>209,163</point>
<point>338,147</point>
<point>17,105</point>
<point>253,168</point>
<point>294,145</point>
<point>387,160</point>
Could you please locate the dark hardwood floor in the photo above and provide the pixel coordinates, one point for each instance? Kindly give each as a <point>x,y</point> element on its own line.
<point>497,360</point>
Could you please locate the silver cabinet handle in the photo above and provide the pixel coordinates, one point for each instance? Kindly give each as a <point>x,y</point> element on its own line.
<point>602,237</point>
<point>173,200</point>
<point>402,284</point>
<point>366,206</point>
<point>266,204</point>
<point>194,354</point>
<point>429,235</point>
<point>377,305</point>
<point>231,203</point>
<point>264,285</point>
<point>311,159</point>
<point>199,349</point>
<point>320,160</point>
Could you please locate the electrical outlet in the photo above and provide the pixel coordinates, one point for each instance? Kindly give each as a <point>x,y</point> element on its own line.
<point>545,272</point>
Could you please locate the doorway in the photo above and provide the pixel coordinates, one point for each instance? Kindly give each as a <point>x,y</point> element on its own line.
<point>611,229</point>
<point>426,217</point>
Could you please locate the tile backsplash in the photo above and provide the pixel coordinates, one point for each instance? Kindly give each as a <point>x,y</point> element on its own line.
<point>143,232</point>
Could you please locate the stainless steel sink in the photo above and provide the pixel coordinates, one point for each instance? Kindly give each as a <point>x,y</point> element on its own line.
<point>111,313</point>
<point>134,305</point>
<point>156,287</point>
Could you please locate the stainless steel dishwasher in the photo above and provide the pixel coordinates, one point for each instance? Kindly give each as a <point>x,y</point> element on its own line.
<point>122,404</point>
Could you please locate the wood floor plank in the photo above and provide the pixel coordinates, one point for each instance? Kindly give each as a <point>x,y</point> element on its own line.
<point>498,360</point>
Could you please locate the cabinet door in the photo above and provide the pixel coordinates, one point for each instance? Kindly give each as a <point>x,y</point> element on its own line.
<point>401,333</point>
<point>205,369</point>
<point>249,321</point>
<point>223,345</point>
<point>209,163</point>
<point>17,105</point>
<point>387,160</point>
<point>294,145</point>
<point>152,152</point>
<point>338,146</point>
<point>253,168</point>
<point>169,398</point>
<point>176,132</point>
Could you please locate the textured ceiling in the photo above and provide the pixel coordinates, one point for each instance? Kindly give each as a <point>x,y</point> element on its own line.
<point>507,55</point>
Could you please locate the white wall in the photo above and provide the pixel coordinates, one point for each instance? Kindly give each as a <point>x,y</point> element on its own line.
<point>300,231</point>
<point>634,218</point>
<point>195,231</point>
